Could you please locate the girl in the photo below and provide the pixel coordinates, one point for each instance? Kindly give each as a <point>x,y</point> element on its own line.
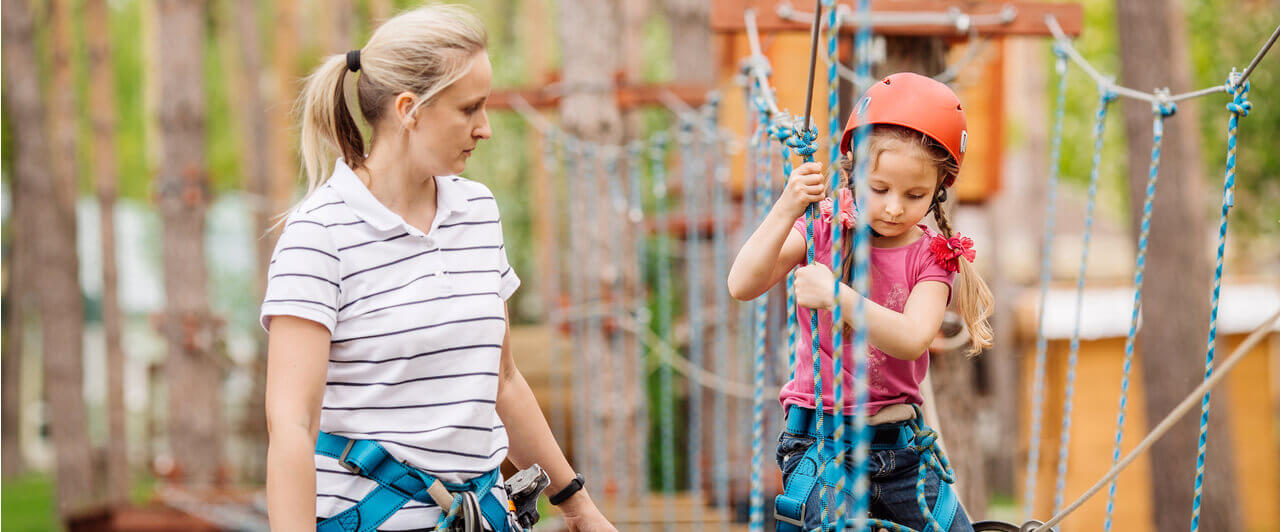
<point>389,372</point>
<point>916,146</point>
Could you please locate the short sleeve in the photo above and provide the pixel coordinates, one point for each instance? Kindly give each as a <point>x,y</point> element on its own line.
<point>304,278</point>
<point>509,281</point>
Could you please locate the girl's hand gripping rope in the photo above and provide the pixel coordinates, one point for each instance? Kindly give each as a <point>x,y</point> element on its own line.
<point>813,287</point>
<point>806,185</point>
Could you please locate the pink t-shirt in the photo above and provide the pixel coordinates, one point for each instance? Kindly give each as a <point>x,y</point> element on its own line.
<point>894,273</point>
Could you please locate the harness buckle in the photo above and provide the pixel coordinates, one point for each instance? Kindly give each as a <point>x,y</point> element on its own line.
<point>788,519</point>
<point>342,459</point>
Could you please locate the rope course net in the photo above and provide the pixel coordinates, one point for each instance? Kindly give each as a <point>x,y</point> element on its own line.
<point>640,351</point>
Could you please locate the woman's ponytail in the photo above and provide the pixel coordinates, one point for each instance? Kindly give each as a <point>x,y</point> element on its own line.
<point>327,125</point>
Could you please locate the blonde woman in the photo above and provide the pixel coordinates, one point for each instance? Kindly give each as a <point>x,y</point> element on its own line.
<point>389,371</point>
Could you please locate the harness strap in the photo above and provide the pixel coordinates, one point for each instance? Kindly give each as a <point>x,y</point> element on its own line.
<point>398,483</point>
<point>789,507</point>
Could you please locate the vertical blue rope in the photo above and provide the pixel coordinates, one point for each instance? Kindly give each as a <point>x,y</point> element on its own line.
<point>861,284</point>
<point>759,143</point>
<point>837,341</point>
<point>666,409</point>
<point>1161,110</point>
<point>802,142</point>
<point>783,132</point>
<point>1064,438</point>
<point>572,153</point>
<point>693,180</point>
<point>720,407</point>
<point>1238,107</point>
<point>1046,266</point>
<point>555,314</point>
<point>616,348</point>
<point>592,307</point>
<point>640,299</point>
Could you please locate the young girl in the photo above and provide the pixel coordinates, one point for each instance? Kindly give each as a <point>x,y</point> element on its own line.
<point>916,146</point>
<point>391,386</point>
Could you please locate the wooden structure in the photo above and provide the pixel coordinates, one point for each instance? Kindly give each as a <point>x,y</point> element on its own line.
<point>1252,396</point>
<point>786,43</point>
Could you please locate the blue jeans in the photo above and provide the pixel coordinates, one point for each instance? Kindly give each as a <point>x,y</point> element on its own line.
<point>892,489</point>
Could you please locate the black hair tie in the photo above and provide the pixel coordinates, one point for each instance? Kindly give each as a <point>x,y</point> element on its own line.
<point>353,60</point>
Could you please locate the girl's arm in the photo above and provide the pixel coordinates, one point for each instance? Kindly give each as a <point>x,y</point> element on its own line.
<point>773,249</point>
<point>533,443</point>
<point>297,360</point>
<point>903,335</point>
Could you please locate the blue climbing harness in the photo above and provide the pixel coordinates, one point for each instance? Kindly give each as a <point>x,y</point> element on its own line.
<point>789,507</point>
<point>399,483</point>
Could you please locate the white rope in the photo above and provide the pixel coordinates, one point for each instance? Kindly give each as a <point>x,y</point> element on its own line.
<point>758,60</point>
<point>1109,82</point>
<point>1186,405</point>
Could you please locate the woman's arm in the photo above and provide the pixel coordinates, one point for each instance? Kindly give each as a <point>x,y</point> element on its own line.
<point>297,359</point>
<point>903,335</point>
<point>533,443</point>
<point>773,249</point>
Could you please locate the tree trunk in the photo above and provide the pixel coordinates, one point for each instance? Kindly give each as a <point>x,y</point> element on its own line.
<point>691,40</point>
<point>284,161</point>
<point>102,107</point>
<point>16,302</point>
<point>589,111</point>
<point>182,189</point>
<point>244,74</point>
<point>53,188</point>
<point>1153,54</point>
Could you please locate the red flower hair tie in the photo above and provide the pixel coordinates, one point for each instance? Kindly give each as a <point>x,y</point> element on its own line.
<point>947,251</point>
<point>848,216</point>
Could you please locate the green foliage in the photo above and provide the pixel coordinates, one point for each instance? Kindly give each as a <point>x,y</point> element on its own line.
<point>1222,39</point>
<point>1097,43</point>
<point>28,503</point>
<point>1220,35</point>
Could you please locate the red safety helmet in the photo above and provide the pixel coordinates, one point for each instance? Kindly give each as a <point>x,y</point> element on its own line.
<point>910,100</point>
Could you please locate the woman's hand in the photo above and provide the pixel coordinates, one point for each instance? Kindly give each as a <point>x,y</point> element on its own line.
<point>581,515</point>
<point>814,287</point>
<point>806,185</point>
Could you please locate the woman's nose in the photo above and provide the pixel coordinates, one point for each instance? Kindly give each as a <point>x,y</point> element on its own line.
<point>482,131</point>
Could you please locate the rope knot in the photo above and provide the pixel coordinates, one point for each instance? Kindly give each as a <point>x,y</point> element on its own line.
<point>1164,107</point>
<point>1240,104</point>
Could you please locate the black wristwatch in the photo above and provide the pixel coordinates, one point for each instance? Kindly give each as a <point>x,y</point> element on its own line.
<point>563,495</point>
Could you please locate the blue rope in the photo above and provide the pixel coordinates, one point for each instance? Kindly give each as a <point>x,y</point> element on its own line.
<point>783,132</point>
<point>720,472</point>
<point>1064,438</point>
<point>666,409</point>
<point>1239,107</point>
<point>616,347</point>
<point>833,161</point>
<point>693,183</point>
<point>639,297</point>
<point>763,169</point>
<point>861,284</point>
<point>1161,110</point>
<point>1046,255</point>
<point>925,442</point>
<point>594,342</point>
<point>580,422</point>
<point>555,314</point>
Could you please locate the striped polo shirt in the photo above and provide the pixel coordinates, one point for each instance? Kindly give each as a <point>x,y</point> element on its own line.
<point>417,324</point>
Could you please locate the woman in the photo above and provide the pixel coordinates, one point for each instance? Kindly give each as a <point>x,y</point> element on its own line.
<point>385,303</point>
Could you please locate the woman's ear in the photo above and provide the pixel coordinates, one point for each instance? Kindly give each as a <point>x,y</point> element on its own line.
<point>403,104</point>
